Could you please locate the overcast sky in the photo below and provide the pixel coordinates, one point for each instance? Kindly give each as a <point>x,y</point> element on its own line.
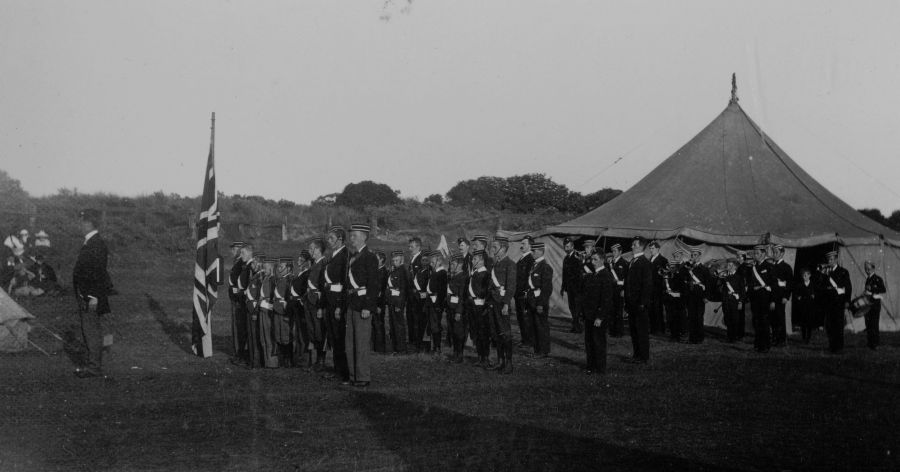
<point>115,96</point>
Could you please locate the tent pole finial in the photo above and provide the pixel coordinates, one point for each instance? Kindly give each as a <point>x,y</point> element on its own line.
<point>734,97</point>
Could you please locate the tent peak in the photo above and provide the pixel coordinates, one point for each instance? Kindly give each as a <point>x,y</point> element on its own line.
<point>734,97</point>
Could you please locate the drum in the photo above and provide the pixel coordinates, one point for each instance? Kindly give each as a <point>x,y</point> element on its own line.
<point>861,305</point>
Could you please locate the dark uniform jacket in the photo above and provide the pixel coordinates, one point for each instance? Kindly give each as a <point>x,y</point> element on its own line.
<point>836,285</point>
<point>363,281</point>
<point>281,294</point>
<point>414,267</point>
<point>383,273</point>
<point>783,276</point>
<point>660,264</point>
<point>233,276</point>
<point>456,290</point>
<point>540,282</point>
<point>875,286</point>
<point>598,288</point>
<point>437,288</point>
<point>335,275</point>
<point>315,284</point>
<point>572,271</point>
<point>675,284</point>
<point>503,281</point>
<point>299,287</point>
<point>90,277</point>
<point>731,288</point>
<point>620,267</point>
<point>397,287</point>
<point>523,269</point>
<point>759,282</point>
<point>477,288</point>
<point>698,279</point>
<point>419,283</point>
<point>639,284</point>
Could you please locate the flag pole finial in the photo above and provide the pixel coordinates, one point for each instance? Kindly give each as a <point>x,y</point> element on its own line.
<point>734,97</point>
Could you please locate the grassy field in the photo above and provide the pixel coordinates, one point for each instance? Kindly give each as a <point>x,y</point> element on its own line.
<point>714,406</point>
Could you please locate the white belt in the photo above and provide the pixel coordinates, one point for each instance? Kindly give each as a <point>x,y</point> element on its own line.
<point>782,283</point>
<point>395,292</point>
<point>479,301</point>
<point>536,292</point>
<point>620,283</point>
<point>360,291</point>
<point>877,297</point>
<point>422,295</point>
<point>454,299</point>
<point>434,299</point>
<point>674,294</point>
<point>235,290</point>
<point>336,288</point>
<point>265,305</point>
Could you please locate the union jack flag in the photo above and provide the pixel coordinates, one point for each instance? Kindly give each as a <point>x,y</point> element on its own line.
<point>206,270</point>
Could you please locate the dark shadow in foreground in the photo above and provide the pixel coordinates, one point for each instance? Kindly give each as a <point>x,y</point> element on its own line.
<point>430,438</point>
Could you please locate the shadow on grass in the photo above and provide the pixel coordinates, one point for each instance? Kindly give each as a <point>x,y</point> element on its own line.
<point>179,332</point>
<point>429,438</point>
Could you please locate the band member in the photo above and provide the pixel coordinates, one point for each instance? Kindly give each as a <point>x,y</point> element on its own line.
<point>698,280</point>
<point>503,285</point>
<point>420,285</point>
<point>540,286</point>
<point>675,286</point>
<point>456,288</point>
<point>315,303</point>
<point>523,270</point>
<point>759,291</point>
<point>571,281</point>
<point>238,310</point>
<point>267,341</point>
<point>732,290</point>
<point>242,308</point>
<point>619,270</point>
<point>836,290</point>
<point>415,303</point>
<point>397,287</point>
<point>252,295</point>
<point>479,325</point>
<point>655,310</point>
<point>297,294</point>
<point>378,326</point>
<point>783,275</point>
<point>466,254</point>
<point>282,328</point>
<point>91,283</point>
<point>599,286</point>
<point>875,291</point>
<point>336,301</point>
<point>804,310</point>
<point>638,297</point>
<point>436,303</point>
<point>363,281</point>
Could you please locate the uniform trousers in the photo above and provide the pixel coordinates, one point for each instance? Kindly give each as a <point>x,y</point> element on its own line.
<point>733,318</point>
<point>315,328</point>
<point>501,329</point>
<point>540,323</point>
<point>378,329</point>
<point>574,300</point>
<point>779,330</point>
<point>358,341</point>
<point>526,331</point>
<point>834,325</point>
<point>677,317</point>
<point>299,333</point>
<point>93,327</point>
<point>415,320</point>
<point>253,349</point>
<point>759,306</point>
<point>696,307</point>
<point>239,326</point>
<point>595,345</point>
<point>655,313</point>
<point>639,328</point>
<point>617,320</point>
<point>434,313</point>
<point>873,317</point>
<point>398,332</point>
<point>335,334</point>
<point>480,329</point>
<point>458,327</point>
<point>268,346</point>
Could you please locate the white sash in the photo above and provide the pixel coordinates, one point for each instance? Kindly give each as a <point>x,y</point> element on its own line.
<point>731,289</point>
<point>759,279</point>
<point>497,283</point>
<point>840,291</point>
<point>357,290</point>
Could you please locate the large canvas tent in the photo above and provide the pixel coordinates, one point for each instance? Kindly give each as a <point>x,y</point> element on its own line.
<point>731,186</point>
<point>14,325</point>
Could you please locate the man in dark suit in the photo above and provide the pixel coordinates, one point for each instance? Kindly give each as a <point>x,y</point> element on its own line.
<point>335,273</point>
<point>363,281</point>
<point>571,282</point>
<point>540,287</point>
<point>638,297</point>
<point>92,284</point>
<point>783,274</point>
<point>599,286</point>
<point>523,270</point>
<point>238,308</point>
<point>660,265</point>
<point>503,285</point>
<point>698,286</point>
<point>836,294</point>
<point>875,290</point>
<point>619,270</point>
<point>759,291</point>
<point>396,292</point>
<point>415,303</point>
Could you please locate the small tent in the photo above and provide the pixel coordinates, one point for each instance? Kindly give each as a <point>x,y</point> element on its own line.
<point>14,325</point>
<point>731,187</point>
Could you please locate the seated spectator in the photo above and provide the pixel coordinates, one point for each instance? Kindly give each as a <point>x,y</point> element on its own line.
<point>15,244</point>
<point>21,284</point>
<point>45,276</point>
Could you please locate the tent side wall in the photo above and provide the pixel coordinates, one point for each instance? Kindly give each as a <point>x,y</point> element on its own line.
<point>554,253</point>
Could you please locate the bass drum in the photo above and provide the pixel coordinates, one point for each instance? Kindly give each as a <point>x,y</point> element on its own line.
<point>861,305</point>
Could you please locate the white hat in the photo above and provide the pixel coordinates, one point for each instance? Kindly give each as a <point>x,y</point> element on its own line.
<point>23,231</point>
<point>42,234</point>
